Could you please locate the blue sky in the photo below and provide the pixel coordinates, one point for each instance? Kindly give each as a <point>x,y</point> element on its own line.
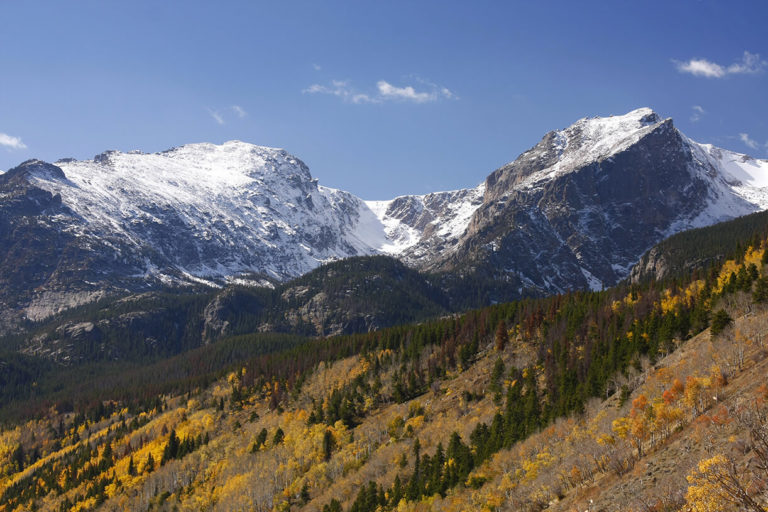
<point>378,98</point>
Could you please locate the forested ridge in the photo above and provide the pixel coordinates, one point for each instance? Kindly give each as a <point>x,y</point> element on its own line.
<point>450,413</point>
<point>700,248</point>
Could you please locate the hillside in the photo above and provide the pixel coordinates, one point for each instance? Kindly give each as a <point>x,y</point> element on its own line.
<point>494,409</point>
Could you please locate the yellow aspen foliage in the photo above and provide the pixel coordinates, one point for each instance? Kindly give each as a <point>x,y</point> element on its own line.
<point>415,423</point>
<point>531,467</point>
<point>729,267</point>
<point>665,417</point>
<point>753,256</point>
<point>693,291</point>
<point>696,396</point>
<point>88,504</point>
<point>633,429</point>
<point>9,441</point>
<point>606,440</point>
<point>395,427</point>
<point>669,302</point>
<point>704,492</point>
<point>111,490</point>
<point>494,500</point>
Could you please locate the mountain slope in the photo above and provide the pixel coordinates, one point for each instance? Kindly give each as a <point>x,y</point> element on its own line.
<point>420,227</point>
<point>354,295</point>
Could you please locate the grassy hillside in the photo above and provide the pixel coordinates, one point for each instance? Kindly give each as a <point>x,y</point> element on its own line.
<point>494,409</point>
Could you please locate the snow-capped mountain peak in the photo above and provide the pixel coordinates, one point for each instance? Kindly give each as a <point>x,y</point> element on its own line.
<point>210,211</point>
<point>589,140</point>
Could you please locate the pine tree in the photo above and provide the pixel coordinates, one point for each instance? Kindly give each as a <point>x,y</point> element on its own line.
<point>502,337</point>
<point>720,320</point>
<point>329,443</point>
<point>278,437</point>
<point>761,289</point>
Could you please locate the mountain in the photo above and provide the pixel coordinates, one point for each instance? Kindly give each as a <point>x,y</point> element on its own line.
<point>575,211</point>
<point>418,228</point>
<point>578,209</point>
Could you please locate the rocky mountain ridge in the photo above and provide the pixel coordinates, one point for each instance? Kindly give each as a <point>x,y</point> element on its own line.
<point>579,208</point>
<point>575,211</point>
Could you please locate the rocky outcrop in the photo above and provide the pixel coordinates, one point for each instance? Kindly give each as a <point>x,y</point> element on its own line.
<point>652,266</point>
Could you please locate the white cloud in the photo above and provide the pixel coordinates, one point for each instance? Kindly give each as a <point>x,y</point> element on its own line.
<point>408,93</point>
<point>701,67</point>
<point>237,109</point>
<point>749,142</point>
<point>340,89</point>
<point>216,115</point>
<point>698,113</point>
<point>750,63</point>
<point>317,67</point>
<point>385,91</point>
<point>11,142</point>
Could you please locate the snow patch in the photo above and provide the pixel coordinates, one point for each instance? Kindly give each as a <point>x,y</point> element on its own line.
<point>594,283</point>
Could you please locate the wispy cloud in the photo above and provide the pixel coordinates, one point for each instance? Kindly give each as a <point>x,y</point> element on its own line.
<point>317,67</point>
<point>698,113</point>
<point>340,89</point>
<point>748,141</point>
<point>11,142</point>
<point>384,92</point>
<point>216,115</point>
<point>750,63</point>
